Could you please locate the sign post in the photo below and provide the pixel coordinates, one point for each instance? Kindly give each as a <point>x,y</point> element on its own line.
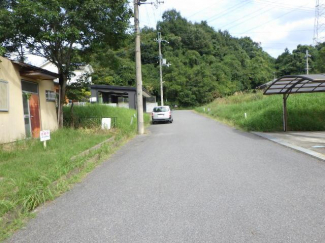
<point>44,136</point>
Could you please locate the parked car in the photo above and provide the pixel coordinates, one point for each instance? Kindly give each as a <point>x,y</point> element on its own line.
<point>161,114</point>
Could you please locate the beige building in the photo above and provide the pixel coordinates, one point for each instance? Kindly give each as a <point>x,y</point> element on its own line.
<point>27,101</point>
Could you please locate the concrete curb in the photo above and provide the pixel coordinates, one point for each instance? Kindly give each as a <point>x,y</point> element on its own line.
<point>282,142</point>
<point>98,146</point>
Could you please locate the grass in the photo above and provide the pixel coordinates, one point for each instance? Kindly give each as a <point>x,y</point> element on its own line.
<point>31,175</point>
<point>306,112</point>
<point>126,118</point>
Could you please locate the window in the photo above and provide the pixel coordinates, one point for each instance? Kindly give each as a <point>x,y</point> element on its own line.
<point>160,109</point>
<point>4,96</point>
<point>50,95</point>
<point>29,87</point>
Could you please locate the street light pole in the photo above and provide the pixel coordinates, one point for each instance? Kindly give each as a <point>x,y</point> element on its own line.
<point>139,104</point>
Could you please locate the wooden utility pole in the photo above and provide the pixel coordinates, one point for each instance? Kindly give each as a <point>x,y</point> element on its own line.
<point>138,68</point>
<point>139,104</point>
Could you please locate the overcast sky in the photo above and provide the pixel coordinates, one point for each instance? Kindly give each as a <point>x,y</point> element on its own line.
<point>276,24</point>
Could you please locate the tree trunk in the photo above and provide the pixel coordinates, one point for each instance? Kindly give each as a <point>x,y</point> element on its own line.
<point>63,85</point>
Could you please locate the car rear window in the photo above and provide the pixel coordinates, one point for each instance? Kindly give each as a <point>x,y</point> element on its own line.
<point>160,109</point>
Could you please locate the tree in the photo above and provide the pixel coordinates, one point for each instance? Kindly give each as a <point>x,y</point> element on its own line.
<point>55,29</point>
<point>295,63</point>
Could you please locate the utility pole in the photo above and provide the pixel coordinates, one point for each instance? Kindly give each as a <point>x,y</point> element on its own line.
<point>139,104</point>
<point>138,69</point>
<point>159,40</point>
<point>160,69</point>
<point>307,65</point>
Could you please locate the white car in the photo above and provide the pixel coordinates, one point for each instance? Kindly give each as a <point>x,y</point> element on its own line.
<point>161,113</point>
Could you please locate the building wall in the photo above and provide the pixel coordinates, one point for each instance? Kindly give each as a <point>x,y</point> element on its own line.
<point>12,125</point>
<point>132,99</point>
<point>47,108</point>
<point>12,122</point>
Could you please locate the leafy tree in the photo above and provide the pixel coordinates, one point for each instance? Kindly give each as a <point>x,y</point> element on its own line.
<point>295,63</point>
<point>55,29</point>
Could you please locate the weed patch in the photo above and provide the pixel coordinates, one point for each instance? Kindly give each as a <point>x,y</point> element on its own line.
<point>257,112</point>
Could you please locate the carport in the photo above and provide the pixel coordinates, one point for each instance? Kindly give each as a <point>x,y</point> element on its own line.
<point>295,84</point>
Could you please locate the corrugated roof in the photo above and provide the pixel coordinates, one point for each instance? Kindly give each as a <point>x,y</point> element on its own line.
<point>292,84</point>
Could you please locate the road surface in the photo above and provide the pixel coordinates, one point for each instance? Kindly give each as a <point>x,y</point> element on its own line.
<point>191,181</point>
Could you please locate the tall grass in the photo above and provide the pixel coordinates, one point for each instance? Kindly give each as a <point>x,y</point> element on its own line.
<point>126,118</point>
<point>306,112</point>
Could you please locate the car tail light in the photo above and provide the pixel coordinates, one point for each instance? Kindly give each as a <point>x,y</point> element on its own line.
<point>170,114</point>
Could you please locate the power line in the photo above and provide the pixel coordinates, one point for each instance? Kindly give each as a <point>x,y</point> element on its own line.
<point>247,19</point>
<point>282,5</point>
<point>276,31</point>
<point>223,13</point>
<point>270,21</point>
<point>243,20</point>
<point>209,7</point>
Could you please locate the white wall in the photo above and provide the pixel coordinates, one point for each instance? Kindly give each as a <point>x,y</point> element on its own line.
<point>78,74</point>
<point>150,106</point>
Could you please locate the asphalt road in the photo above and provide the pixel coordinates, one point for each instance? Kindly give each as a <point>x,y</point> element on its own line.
<point>191,181</point>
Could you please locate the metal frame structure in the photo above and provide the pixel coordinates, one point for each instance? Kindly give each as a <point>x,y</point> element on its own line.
<point>295,84</point>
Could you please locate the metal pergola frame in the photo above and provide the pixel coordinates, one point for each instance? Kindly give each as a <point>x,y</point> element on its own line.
<point>295,84</point>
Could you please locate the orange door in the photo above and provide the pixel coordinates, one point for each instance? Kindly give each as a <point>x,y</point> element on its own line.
<point>34,115</point>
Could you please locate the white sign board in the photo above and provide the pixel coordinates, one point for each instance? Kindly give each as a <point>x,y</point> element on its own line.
<point>45,135</point>
<point>93,99</point>
<point>106,123</point>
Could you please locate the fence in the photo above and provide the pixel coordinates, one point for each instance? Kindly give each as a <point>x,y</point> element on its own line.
<point>87,122</point>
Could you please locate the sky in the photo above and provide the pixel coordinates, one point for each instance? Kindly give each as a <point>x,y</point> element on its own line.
<point>275,24</point>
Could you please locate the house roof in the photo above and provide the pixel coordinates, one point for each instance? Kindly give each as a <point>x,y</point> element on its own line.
<point>31,71</point>
<point>109,88</point>
<point>79,66</point>
<point>293,84</point>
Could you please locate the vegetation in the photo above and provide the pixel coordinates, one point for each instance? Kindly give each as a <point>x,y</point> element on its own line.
<point>31,175</point>
<point>306,112</point>
<point>54,29</point>
<point>295,63</point>
<point>126,118</point>
<point>206,64</point>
